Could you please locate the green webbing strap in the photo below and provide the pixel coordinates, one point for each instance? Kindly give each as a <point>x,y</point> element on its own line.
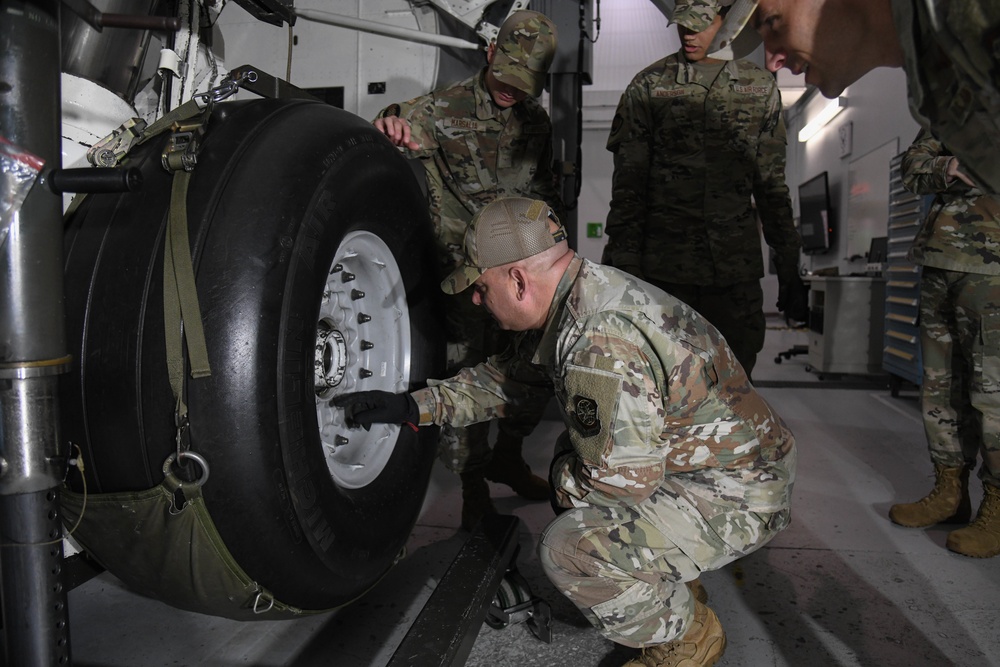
<point>181,312</point>
<point>187,110</point>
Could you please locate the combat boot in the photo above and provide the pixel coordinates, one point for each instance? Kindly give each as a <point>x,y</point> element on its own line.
<point>948,501</point>
<point>981,538</point>
<point>698,590</point>
<point>508,467</point>
<point>701,646</point>
<point>476,501</point>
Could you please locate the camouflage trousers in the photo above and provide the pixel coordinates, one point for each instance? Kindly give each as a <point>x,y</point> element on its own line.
<point>960,344</point>
<point>625,567</point>
<point>472,337</point>
<point>737,311</point>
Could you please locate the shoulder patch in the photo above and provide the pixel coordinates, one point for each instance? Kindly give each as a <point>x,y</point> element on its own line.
<point>391,110</point>
<point>616,124</point>
<point>585,415</point>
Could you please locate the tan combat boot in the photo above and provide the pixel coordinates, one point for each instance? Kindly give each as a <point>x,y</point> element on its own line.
<point>948,501</point>
<point>701,646</point>
<point>981,538</point>
<point>476,501</point>
<point>698,590</point>
<point>508,467</point>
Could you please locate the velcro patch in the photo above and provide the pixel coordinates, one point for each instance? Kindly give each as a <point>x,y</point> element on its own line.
<point>591,401</point>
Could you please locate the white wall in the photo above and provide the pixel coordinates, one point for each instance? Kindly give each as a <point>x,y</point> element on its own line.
<point>878,113</point>
<point>633,34</point>
<point>325,56</point>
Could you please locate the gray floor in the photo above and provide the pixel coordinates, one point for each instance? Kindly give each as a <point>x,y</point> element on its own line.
<point>841,586</point>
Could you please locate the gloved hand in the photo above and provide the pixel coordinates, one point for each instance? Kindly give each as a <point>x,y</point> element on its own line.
<point>364,408</point>
<point>793,299</point>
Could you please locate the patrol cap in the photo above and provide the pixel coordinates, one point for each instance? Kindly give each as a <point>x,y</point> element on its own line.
<point>504,231</point>
<point>695,15</point>
<point>733,41</point>
<point>525,47</point>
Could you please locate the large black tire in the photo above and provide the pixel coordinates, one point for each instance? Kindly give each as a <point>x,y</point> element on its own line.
<point>287,201</point>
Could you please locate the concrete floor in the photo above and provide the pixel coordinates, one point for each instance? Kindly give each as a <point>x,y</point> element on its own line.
<point>841,586</point>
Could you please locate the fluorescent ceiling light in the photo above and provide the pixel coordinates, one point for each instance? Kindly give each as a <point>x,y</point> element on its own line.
<point>826,114</point>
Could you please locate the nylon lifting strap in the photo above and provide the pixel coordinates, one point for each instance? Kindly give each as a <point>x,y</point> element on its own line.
<point>181,310</point>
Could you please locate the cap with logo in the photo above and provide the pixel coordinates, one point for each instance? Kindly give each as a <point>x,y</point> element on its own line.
<point>504,231</point>
<point>525,47</point>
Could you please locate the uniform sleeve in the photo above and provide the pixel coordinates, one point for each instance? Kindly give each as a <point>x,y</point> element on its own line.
<point>924,168</point>
<point>488,391</point>
<point>420,114</point>
<point>630,141</point>
<point>771,193</point>
<point>543,185</point>
<point>614,416</point>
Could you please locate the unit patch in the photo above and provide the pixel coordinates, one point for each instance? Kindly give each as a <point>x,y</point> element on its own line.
<point>585,415</point>
<point>616,124</point>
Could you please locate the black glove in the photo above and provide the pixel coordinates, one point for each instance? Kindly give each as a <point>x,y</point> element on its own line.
<point>793,299</point>
<point>365,408</point>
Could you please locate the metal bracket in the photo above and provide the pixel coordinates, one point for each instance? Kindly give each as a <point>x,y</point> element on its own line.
<point>111,149</point>
<point>514,603</point>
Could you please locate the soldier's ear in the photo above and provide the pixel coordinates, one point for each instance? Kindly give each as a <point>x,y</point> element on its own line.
<point>519,281</point>
<point>490,50</point>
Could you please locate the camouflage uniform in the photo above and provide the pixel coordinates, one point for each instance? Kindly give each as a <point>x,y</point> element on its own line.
<point>959,248</point>
<point>474,152</point>
<point>952,64</point>
<point>673,464</point>
<point>692,142</point>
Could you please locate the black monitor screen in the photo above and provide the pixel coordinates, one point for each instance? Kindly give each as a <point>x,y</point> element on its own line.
<point>815,215</point>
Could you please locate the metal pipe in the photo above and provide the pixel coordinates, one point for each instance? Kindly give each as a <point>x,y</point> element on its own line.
<point>36,617</point>
<point>111,58</point>
<point>384,29</point>
<point>32,348</point>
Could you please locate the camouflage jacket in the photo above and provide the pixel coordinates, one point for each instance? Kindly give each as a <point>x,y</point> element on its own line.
<point>962,228</point>
<point>951,54</point>
<point>689,152</point>
<point>474,152</point>
<point>647,388</point>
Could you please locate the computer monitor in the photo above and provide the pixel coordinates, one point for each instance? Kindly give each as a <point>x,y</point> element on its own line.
<point>815,215</point>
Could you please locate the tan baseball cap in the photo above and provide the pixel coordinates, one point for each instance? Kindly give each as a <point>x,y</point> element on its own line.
<point>525,47</point>
<point>504,231</point>
<point>734,39</point>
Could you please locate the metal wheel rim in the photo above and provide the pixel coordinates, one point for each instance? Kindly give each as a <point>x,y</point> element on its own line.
<point>362,343</point>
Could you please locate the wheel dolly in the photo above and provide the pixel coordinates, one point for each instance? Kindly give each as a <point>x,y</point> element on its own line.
<point>481,584</point>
